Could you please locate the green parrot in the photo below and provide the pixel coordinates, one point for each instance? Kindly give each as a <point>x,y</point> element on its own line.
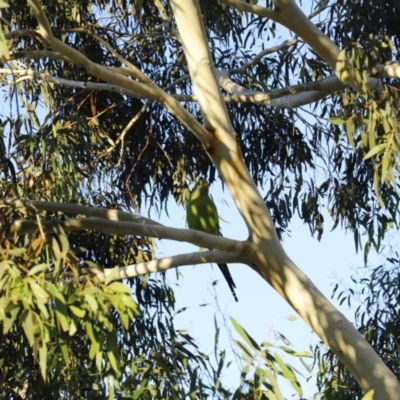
<point>202,215</point>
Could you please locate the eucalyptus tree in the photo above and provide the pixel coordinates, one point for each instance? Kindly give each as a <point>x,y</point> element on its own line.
<point>142,98</point>
<point>374,294</point>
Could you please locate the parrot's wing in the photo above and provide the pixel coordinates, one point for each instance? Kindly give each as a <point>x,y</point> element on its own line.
<point>202,215</point>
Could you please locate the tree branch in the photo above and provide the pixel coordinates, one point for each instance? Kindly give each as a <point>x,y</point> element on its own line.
<point>53,55</point>
<point>69,83</point>
<point>253,8</point>
<point>201,68</point>
<point>271,261</point>
<point>390,70</point>
<point>149,90</point>
<point>112,227</point>
<point>133,70</point>
<point>76,209</point>
<point>262,54</point>
<point>289,14</point>
<point>161,265</point>
<point>289,97</point>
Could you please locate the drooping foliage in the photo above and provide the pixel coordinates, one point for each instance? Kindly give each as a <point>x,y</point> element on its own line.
<point>73,337</point>
<point>375,295</point>
<point>88,144</point>
<point>67,137</point>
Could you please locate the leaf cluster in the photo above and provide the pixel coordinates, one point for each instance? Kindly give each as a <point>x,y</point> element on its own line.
<point>86,148</point>
<point>264,367</point>
<point>65,333</point>
<point>375,296</point>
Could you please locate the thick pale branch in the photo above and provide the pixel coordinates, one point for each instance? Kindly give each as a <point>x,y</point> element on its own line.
<point>271,261</point>
<point>294,19</point>
<point>112,215</point>
<point>118,222</point>
<point>29,74</point>
<point>148,90</point>
<point>201,67</point>
<point>289,97</point>
<point>112,227</point>
<point>224,151</point>
<point>160,265</point>
<point>253,8</point>
<point>134,71</point>
<point>122,223</point>
<point>272,99</point>
<point>289,14</point>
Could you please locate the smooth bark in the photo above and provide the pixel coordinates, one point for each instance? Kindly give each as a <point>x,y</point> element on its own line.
<point>271,261</point>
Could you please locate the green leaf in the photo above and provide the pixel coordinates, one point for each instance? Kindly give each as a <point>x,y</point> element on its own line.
<point>377,188</point>
<point>78,311</point>
<point>4,51</point>
<point>288,374</point>
<point>369,395</point>
<point>350,129</point>
<point>337,121</point>
<point>342,66</point>
<point>28,326</point>
<point>245,349</point>
<point>89,330</point>
<point>128,302</point>
<point>61,311</point>
<point>73,326</point>
<point>242,332</point>
<point>94,351</point>
<point>43,360</point>
<point>372,127</point>
<point>277,394</point>
<point>38,291</point>
<point>38,268</point>
<point>92,264</point>
<point>35,248</point>
<point>11,314</point>
<point>119,287</point>
<point>377,149</point>
<point>110,275</point>
<point>65,351</point>
<point>92,302</point>
<point>112,352</point>
<point>56,253</point>
<point>295,353</point>
<point>125,319</point>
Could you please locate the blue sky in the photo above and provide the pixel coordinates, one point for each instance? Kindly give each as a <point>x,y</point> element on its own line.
<point>260,310</point>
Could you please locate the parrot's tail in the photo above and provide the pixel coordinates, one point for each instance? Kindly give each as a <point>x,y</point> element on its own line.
<point>227,275</point>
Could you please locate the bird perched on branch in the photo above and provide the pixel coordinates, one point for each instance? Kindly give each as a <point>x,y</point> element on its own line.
<point>202,215</point>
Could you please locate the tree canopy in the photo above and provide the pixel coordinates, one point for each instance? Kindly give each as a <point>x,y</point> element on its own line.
<point>114,107</point>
